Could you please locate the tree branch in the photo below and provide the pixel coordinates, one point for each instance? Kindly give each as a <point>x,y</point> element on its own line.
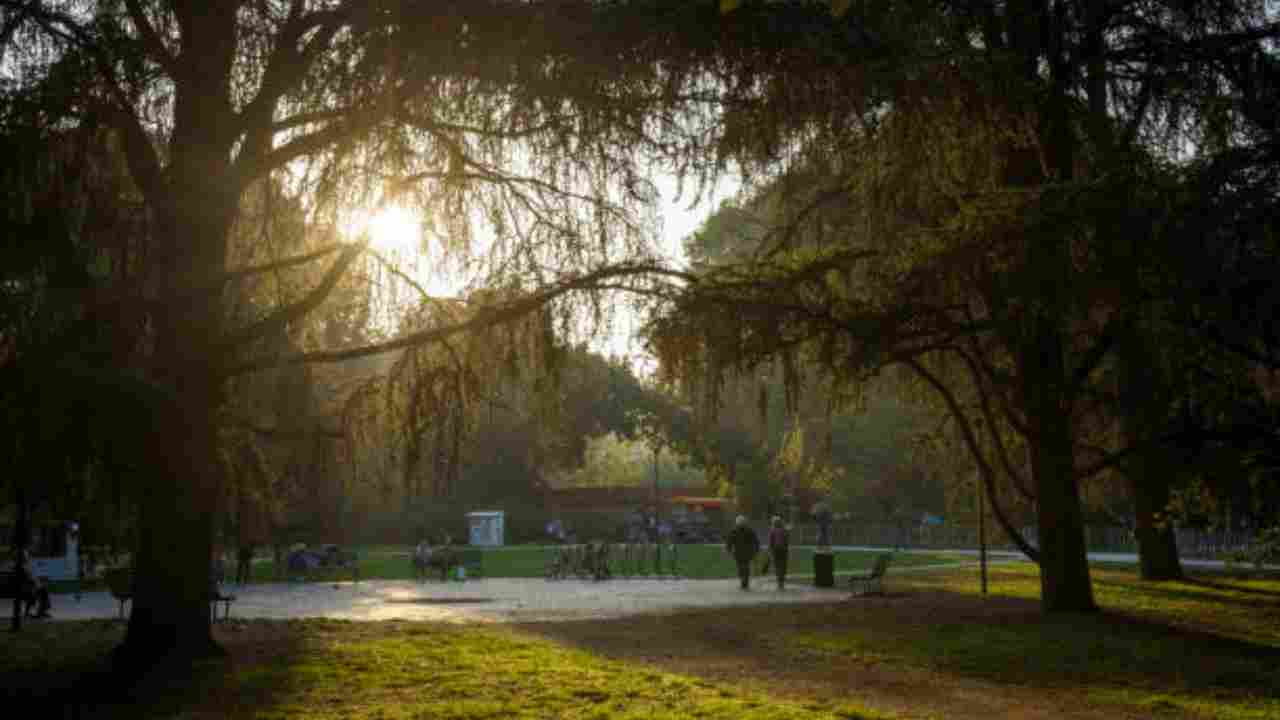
<point>151,41</point>
<point>285,264</point>
<point>141,157</point>
<point>984,469</point>
<point>1002,452</point>
<point>285,69</point>
<point>278,320</point>
<point>1098,351</point>
<point>485,318</point>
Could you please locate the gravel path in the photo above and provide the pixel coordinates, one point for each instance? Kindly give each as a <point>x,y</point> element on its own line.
<point>510,599</point>
<point>485,600</point>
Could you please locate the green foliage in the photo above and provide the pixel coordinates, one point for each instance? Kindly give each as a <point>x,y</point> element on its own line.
<point>1263,550</point>
<point>1004,231</point>
<point>614,462</point>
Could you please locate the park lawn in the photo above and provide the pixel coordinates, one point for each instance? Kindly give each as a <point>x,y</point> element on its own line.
<point>932,647</point>
<point>338,669</point>
<point>1206,647</point>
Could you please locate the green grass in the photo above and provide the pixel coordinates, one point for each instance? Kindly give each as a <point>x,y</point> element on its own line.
<point>335,669</point>
<point>692,561</point>
<point>1209,646</point>
<point>535,679</point>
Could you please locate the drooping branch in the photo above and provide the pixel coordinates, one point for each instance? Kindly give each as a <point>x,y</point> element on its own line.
<point>485,318</point>
<point>1106,340</point>
<point>282,317</point>
<point>144,164</point>
<point>285,264</point>
<point>984,468</point>
<point>989,416</point>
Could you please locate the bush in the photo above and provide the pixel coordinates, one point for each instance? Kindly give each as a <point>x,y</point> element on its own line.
<point>1264,550</point>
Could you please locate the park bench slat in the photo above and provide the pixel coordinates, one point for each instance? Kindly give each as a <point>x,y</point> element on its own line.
<point>120,583</point>
<point>872,582</point>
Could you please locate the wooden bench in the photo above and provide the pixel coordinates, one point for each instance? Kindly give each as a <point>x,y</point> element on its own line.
<point>120,583</point>
<point>215,597</point>
<point>872,582</point>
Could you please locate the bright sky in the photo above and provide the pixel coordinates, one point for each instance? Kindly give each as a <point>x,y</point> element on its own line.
<point>395,233</point>
<point>678,222</point>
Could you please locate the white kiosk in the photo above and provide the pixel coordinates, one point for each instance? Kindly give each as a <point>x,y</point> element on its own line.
<point>58,556</point>
<point>486,527</point>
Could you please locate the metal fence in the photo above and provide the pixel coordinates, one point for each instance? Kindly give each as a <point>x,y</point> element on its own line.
<point>1192,543</point>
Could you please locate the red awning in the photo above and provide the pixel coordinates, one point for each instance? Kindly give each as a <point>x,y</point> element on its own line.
<point>712,503</point>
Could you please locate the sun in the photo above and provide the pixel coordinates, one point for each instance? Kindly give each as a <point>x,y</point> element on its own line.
<point>394,231</point>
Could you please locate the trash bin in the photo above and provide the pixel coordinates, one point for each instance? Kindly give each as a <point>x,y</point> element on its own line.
<point>824,569</point>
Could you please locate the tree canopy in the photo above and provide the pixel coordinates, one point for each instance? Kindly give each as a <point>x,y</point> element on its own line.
<point>977,181</point>
<point>995,203</point>
<point>538,122</point>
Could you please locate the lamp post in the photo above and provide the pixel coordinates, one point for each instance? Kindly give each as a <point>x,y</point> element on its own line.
<point>982,531</point>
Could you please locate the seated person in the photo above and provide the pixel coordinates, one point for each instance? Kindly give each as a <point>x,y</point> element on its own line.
<point>444,558</point>
<point>332,557</point>
<point>301,560</point>
<point>33,589</point>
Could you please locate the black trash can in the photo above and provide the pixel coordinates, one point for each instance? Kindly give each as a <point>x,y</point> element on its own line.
<point>824,569</point>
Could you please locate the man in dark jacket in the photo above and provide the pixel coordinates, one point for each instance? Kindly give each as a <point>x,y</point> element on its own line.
<point>744,545</point>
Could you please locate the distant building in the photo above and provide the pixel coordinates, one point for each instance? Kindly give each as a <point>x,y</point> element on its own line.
<point>618,499</point>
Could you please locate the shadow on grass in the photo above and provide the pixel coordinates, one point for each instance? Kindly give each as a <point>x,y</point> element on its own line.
<point>930,648</point>
<point>64,670</point>
<point>1194,591</point>
<point>1236,587</point>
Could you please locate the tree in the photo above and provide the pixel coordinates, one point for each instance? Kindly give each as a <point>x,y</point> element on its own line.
<point>528,119</point>
<point>969,212</point>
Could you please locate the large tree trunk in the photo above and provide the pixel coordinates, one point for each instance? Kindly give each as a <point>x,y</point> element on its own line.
<point>194,203</point>
<point>1065,585</point>
<point>1151,469</point>
<point>1157,546</point>
<point>172,562</point>
<point>170,615</point>
<point>21,537</point>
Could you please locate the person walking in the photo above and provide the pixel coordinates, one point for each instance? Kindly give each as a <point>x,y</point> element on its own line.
<point>743,545</point>
<point>244,563</point>
<point>779,546</point>
<point>422,556</point>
